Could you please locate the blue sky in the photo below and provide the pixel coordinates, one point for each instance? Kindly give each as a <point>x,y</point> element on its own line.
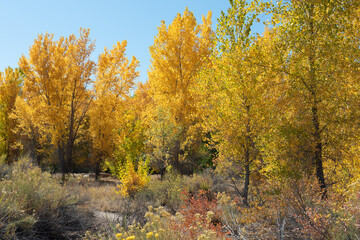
<point>109,20</point>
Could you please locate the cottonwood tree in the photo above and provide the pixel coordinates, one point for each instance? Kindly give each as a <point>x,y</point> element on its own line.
<point>115,76</point>
<point>130,135</point>
<point>178,52</point>
<point>235,97</point>
<point>56,90</point>
<point>321,73</point>
<point>10,89</point>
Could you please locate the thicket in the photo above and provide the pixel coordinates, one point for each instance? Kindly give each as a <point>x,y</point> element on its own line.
<point>206,206</point>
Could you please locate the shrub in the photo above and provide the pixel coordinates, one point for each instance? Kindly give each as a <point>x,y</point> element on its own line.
<point>133,181</point>
<point>199,212</point>
<point>160,225</point>
<point>167,192</point>
<point>34,204</point>
<point>12,217</point>
<point>346,214</point>
<point>284,209</point>
<point>198,217</point>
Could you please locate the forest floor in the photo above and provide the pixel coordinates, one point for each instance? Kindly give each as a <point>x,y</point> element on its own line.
<point>102,200</point>
<point>34,205</point>
<point>109,209</point>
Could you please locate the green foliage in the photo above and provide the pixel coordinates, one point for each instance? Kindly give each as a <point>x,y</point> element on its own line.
<point>315,49</point>
<point>163,137</point>
<point>130,148</point>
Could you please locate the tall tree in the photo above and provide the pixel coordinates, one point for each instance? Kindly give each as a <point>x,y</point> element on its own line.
<point>321,67</point>
<point>56,86</point>
<point>10,88</point>
<point>178,52</point>
<point>235,95</point>
<point>115,77</point>
<point>130,135</point>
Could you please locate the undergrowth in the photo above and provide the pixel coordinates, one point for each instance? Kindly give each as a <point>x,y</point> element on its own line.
<point>34,205</point>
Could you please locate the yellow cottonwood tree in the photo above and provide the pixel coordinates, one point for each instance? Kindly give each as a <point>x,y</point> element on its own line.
<point>115,77</point>
<point>130,138</point>
<point>129,163</point>
<point>321,74</point>
<point>234,95</point>
<point>56,90</point>
<point>178,52</point>
<point>10,88</point>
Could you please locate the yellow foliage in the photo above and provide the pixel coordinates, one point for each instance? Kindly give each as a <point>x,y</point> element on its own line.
<point>56,92</point>
<point>132,181</point>
<point>115,76</point>
<point>179,51</point>
<point>10,86</point>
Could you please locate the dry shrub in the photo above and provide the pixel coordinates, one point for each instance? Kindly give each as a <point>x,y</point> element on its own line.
<point>40,207</point>
<point>160,225</point>
<point>291,209</point>
<point>288,209</point>
<point>199,212</point>
<point>168,191</point>
<point>285,208</point>
<point>169,195</point>
<point>346,223</point>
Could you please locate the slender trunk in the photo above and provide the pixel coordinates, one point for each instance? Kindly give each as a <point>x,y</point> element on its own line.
<point>33,154</point>
<point>7,150</point>
<point>97,168</point>
<point>7,140</point>
<point>247,180</point>
<point>162,171</point>
<point>282,222</point>
<point>70,140</point>
<point>318,151</point>
<point>177,155</point>
<point>69,154</point>
<point>34,144</point>
<point>247,158</point>
<point>64,170</point>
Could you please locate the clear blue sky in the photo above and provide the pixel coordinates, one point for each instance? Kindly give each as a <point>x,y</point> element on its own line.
<point>109,20</point>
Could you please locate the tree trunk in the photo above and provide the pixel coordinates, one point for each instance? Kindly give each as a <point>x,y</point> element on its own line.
<point>7,149</point>
<point>97,169</point>
<point>69,154</point>
<point>318,153</point>
<point>64,168</point>
<point>247,180</point>
<point>71,139</point>
<point>282,222</point>
<point>162,173</point>
<point>177,155</point>
<point>248,145</point>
